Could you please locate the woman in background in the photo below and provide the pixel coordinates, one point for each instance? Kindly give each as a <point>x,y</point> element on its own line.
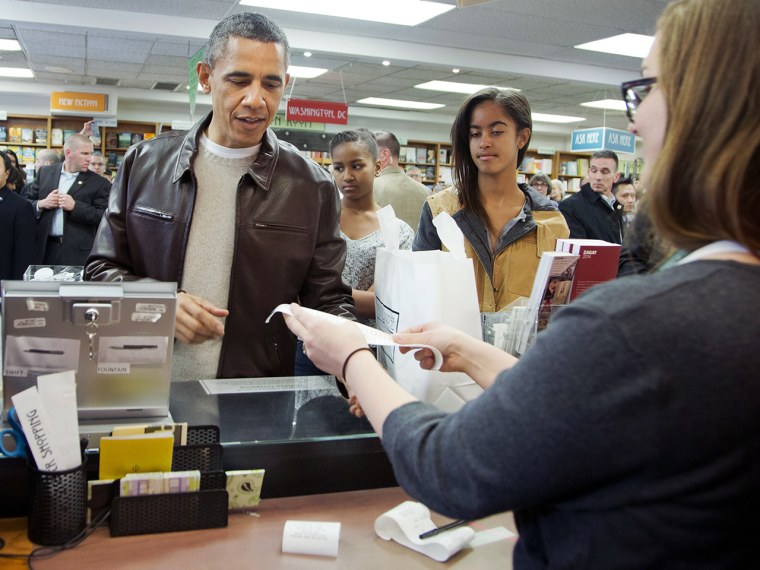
<point>641,449</point>
<point>506,225</point>
<point>541,183</point>
<point>557,192</point>
<point>17,227</point>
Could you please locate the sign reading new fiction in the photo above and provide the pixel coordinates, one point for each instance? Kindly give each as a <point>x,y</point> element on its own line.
<point>603,138</point>
<point>317,111</point>
<point>87,103</point>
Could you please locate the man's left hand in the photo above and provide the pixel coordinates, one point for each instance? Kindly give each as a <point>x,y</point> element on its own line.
<point>66,202</point>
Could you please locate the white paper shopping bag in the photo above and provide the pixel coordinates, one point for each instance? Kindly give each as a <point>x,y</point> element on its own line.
<point>412,288</point>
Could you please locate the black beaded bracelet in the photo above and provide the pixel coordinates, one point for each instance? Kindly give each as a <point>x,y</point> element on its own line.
<point>345,362</point>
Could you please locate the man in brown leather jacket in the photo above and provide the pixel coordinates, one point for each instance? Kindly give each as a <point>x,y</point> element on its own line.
<point>238,219</point>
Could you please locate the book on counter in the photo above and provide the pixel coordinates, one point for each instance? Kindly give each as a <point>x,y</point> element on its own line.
<point>144,453</point>
<point>597,262</point>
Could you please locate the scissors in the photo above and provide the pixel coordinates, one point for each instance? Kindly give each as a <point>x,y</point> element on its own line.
<point>16,433</point>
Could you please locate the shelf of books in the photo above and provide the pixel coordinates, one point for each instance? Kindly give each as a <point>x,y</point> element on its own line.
<point>319,156</point>
<point>432,158</point>
<point>571,168</point>
<point>534,162</point>
<point>116,140</point>
<point>26,135</point>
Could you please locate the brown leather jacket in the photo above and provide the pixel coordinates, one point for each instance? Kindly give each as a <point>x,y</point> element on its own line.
<point>287,246</point>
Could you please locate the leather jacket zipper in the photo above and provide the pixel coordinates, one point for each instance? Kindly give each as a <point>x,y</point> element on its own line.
<point>268,226</point>
<point>154,213</point>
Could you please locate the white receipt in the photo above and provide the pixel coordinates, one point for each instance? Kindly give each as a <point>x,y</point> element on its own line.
<point>373,337</point>
<point>311,537</point>
<point>58,394</point>
<point>406,522</point>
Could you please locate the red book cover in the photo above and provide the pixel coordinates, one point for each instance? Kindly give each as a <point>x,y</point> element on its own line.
<point>597,262</point>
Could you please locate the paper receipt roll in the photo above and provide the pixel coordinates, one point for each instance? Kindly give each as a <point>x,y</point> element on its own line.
<point>311,537</point>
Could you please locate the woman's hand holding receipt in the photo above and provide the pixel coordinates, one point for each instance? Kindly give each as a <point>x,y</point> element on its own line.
<point>461,352</point>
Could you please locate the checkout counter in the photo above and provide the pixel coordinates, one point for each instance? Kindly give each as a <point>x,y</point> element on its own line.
<point>322,464</point>
<point>297,429</point>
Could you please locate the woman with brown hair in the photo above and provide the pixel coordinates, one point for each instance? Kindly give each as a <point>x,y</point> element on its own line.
<point>636,446</point>
<point>506,225</point>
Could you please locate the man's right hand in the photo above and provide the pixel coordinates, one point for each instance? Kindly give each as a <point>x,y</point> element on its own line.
<point>197,320</point>
<point>49,202</point>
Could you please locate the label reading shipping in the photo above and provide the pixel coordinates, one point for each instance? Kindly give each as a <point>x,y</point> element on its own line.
<point>35,323</point>
<point>150,308</point>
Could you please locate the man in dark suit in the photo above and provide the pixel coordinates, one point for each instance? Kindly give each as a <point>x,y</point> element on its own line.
<point>590,213</point>
<point>70,201</point>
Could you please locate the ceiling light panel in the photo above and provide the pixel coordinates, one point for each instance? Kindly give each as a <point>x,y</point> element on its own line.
<point>305,72</point>
<point>9,45</point>
<point>15,72</point>
<point>609,104</point>
<point>632,45</point>
<point>546,118</point>
<point>456,87</point>
<point>400,12</point>
<point>398,103</point>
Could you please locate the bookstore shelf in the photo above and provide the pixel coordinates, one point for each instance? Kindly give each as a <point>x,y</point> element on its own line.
<point>26,135</point>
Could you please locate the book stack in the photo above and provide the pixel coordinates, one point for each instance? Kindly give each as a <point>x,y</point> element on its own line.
<point>597,262</point>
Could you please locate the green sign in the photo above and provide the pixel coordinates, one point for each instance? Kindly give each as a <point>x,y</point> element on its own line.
<point>280,122</point>
<point>192,77</point>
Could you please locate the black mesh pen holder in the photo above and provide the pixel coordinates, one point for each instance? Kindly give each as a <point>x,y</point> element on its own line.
<point>57,505</point>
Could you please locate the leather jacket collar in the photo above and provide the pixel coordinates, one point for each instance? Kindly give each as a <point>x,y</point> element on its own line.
<point>261,170</point>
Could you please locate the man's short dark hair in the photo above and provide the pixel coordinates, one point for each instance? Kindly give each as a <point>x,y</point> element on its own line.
<point>246,25</point>
<point>627,181</point>
<point>606,154</point>
<point>388,140</point>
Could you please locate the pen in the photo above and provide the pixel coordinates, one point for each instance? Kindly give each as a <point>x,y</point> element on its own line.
<point>135,346</point>
<point>443,528</point>
<point>43,351</point>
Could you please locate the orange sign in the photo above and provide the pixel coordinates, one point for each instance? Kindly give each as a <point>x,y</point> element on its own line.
<point>84,102</point>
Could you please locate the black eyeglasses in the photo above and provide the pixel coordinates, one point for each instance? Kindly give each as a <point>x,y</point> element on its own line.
<point>634,92</point>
